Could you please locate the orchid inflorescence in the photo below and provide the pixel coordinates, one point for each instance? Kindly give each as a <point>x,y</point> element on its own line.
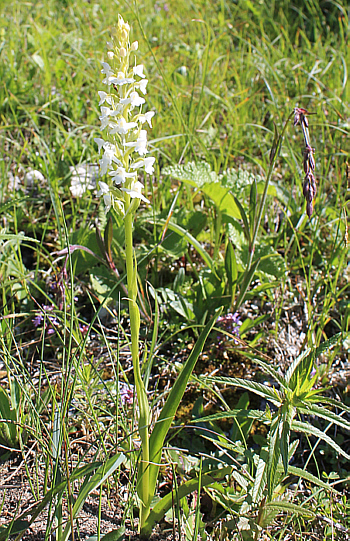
<point>125,145</point>
<point>309,186</point>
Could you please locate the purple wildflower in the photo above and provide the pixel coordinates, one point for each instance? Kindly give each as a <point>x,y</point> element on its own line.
<point>229,323</point>
<point>50,320</point>
<point>126,393</point>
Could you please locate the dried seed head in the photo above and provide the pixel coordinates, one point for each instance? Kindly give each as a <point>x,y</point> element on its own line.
<point>309,164</point>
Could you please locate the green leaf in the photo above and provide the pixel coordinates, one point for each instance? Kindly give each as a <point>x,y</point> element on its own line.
<point>288,413</point>
<point>93,483</point>
<point>273,455</point>
<point>260,389</point>
<point>324,413</point>
<point>301,367</point>
<point>257,415</point>
<point>247,232</point>
<point>307,428</point>
<point>183,490</point>
<point>113,535</point>
<point>304,474</point>
<point>167,414</point>
<point>281,505</point>
<point>108,237</point>
<point>253,204</point>
<point>201,176</point>
<point>259,485</point>
<point>271,371</point>
<point>231,269</point>
<point>187,236</point>
<point>8,419</point>
<point>248,277</point>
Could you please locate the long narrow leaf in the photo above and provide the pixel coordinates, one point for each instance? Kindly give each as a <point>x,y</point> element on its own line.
<point>274,455</point>
<point>307,428</point>
<point>258,388</point>
<point>35,511</point>
<point>190,486</point>
<point>324,413</point>
<point>288,413</point>
<point>298,472</point>
<point>167,414</point>
<point>280,505</point>
<point>257,415</point>
<point>197,245</point>
<point>96,480</point>
<point>260,477</point>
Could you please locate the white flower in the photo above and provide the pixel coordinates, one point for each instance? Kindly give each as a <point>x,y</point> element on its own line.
<point>108,157</point>
<point>147,163</point>
<point>141,85</point>
<point>146,118</point>
<point>134,46</point>
<point>140,145</point>
<point>120,79</point>
<point>110,54</point>
<point>119,175</point>
<point>100,142</point>
<point>107,70</point>
<point>104,97</point>
<point>122,126</point>
<point>136,100</point>
<point>138,70</point>
<point>105,191</point>
<point>104,118</point>
<point>136,191</point>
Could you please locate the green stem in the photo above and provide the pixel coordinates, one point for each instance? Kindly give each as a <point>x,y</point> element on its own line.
<point>144,413</point>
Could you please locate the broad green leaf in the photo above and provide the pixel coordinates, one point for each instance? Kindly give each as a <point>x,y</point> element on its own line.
<point>199,175</point>
<point>231,269</point>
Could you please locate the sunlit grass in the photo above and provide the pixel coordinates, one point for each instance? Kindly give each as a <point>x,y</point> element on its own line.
<point>222,76</point>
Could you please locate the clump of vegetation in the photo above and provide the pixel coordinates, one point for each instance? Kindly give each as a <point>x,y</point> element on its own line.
<point>175,327</point>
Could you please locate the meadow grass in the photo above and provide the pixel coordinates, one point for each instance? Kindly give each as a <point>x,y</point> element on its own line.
<point>223,79</point>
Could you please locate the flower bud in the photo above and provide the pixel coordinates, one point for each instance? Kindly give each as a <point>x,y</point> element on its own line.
<point>110,55</point>
<point>122,52</point>
<point>134,46</point>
